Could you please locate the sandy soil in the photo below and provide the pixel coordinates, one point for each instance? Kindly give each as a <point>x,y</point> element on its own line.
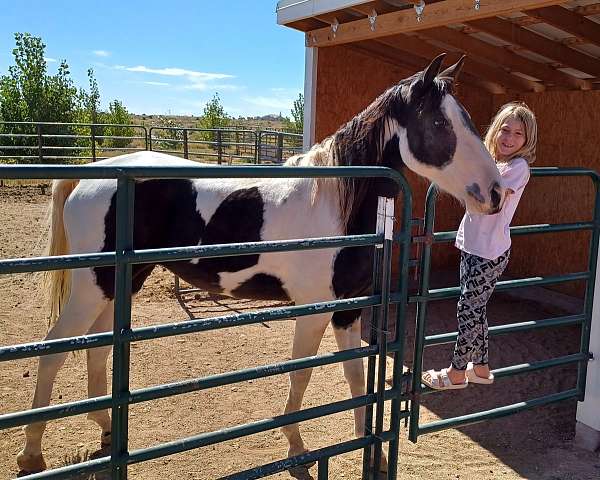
<point>537,444</point>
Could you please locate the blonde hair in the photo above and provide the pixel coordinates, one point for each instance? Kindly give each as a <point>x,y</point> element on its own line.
<point>521,112</point>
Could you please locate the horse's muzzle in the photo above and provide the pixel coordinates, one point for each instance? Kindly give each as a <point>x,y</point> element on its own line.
<point>485,206</point>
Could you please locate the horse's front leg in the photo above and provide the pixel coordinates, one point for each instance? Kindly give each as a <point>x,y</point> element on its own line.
<point>307,338</point>
<point>348,338</point>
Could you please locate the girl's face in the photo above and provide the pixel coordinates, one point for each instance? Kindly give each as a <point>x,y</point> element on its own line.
<point>510,138</point>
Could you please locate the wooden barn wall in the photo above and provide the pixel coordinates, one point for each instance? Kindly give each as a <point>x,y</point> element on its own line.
<point>347,82</point>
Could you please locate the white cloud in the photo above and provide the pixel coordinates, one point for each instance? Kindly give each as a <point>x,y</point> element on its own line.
<point>176,72</point>
<point>50,60</point>
<point>101,53</point>
<point>161,84</point>
<point>201,86</point>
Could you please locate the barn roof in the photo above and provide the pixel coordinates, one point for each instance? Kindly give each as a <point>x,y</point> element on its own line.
<point>512,45</point>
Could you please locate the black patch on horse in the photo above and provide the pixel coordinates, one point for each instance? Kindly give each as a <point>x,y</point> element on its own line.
<point>431,138</point>
<point>238,219</point>
<point>166,216</point>
<point>262,287</point>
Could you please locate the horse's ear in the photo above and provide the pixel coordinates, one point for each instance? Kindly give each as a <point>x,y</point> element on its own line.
<point>453,71</point>
<point>432,71</point>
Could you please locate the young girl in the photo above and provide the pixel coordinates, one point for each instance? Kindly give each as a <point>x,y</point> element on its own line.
<point>484,241</point>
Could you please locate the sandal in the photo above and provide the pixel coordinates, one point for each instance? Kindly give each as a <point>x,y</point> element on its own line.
<point>441,381</point>
<point>474,378</point>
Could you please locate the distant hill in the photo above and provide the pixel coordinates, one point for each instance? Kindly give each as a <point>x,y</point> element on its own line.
<point>271,121</point>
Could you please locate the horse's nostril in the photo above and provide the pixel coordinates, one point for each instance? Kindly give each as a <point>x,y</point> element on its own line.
<point>475,192</point>
<point>495,195</point>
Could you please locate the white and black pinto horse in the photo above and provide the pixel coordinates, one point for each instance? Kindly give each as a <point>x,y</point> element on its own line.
<point>417,123</point>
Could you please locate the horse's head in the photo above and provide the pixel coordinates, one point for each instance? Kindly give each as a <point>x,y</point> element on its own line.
<point>438,140</point>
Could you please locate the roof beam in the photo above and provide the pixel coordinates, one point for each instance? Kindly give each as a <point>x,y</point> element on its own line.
<point>593,9</point>
<point>411,63</point>
<point>414,45</point>
<point>568,21</point>
<point>501,56</point>
<point>402,21</point>
<point>539,44</point>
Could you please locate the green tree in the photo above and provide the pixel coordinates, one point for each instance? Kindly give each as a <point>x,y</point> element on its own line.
<point>29,94</point>
<point>117,115</point>
<point>214,117</point>
<point>297,124</point>
<point>170,138</point>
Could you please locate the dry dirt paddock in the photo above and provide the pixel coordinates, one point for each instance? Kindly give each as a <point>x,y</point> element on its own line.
<point>536,444</point>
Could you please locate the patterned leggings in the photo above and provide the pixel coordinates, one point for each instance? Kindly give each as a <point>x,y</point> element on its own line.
<point>478,277</point>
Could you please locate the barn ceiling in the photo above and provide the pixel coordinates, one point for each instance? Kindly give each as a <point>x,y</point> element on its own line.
<point>512,45</point>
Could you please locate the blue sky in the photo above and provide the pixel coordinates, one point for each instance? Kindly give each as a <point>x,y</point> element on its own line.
<point>162,57</point>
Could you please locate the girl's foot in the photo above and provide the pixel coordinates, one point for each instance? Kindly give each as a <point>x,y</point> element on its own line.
<point>440,380</point>
<point>456,376</point>
<point>480,374</point>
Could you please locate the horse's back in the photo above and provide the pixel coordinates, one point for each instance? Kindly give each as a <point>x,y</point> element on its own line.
<point>186,212</point>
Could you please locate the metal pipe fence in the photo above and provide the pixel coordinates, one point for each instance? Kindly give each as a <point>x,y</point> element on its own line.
<point>57,142</point>
<point>426,295</point>
<point>123,334</point>
<point>379,347</point>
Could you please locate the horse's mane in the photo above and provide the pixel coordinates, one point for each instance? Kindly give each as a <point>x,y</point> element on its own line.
<point>359,142</point>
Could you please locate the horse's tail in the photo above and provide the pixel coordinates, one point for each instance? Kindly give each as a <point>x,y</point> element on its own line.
<point>57,283</point>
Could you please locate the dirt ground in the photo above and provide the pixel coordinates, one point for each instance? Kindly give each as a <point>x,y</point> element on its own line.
<point>536,444</point>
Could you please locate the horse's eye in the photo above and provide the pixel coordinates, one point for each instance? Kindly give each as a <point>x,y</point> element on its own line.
<point>439,123</point>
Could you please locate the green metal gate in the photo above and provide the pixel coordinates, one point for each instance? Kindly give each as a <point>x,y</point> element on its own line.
<point>125,256</point>
<point>426,295</point>
<point>382,240</point>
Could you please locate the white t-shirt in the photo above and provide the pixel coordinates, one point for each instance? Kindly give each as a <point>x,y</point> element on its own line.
<point>488,236</point>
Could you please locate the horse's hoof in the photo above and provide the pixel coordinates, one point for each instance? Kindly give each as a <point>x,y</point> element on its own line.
<point>105,440</point>
<point>30,463</point>
<point>303,465</point>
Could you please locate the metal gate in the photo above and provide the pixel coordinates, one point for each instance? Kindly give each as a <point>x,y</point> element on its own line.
<point>426,295</point>
<point>122,337</point>
<point>377,393</point>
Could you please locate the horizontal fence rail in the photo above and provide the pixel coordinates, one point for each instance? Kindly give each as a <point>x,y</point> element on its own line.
<point>125,256</point>
<point>426,295</point>
<point>57,142</point>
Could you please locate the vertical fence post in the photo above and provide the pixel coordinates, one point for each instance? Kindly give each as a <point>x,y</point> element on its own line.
<point>589,293</point>
<point>398,376</point>
<point>424,267</point>
<point>93,140</point>
<point>150,139</point>
<point>146,139</point>
<point>122,325</point>
<point>377,287</point>
<point>40,143</point>
<point>385,223</point>
<point>219,148</point>
<point>185,144</point>
<point>257,141</point>
<point>280,147</point>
